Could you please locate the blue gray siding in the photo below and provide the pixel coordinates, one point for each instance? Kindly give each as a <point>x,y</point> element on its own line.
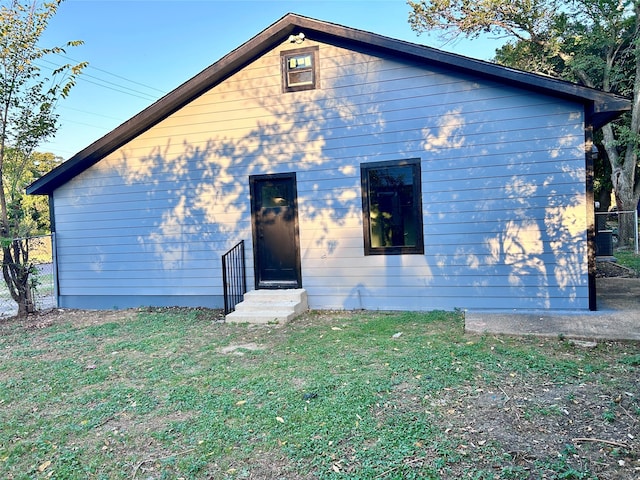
<point>503,184</point>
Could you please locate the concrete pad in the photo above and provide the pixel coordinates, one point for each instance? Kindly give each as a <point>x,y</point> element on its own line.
<point>596,325</point>
<point>617,317</point>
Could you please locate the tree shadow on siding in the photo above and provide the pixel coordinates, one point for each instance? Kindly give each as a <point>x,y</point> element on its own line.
<point>196,184</point>
<point>191,181</point>
<point>511,220</point>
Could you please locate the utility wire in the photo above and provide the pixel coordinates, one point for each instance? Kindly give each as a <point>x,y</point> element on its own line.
<point>101,82</point>
<point>109,85</point>
<point>162,92</point>
<point>108,117</point>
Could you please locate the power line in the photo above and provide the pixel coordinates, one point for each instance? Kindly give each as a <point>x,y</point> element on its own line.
<point>108,117</point>
<point>110,85</point>
<point>162,92</point>
<point>103,128</point>
<point>117,86</point>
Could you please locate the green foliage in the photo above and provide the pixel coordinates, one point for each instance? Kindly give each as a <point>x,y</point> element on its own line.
<point>29,213</point>
<point>517,18</point>
<point>629,259</point>
<point>28,97</point>
<point>592,42</point>
<point>564,470</point>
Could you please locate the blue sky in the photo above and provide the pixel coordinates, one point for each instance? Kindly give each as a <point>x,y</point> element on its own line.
<point>139,50</point>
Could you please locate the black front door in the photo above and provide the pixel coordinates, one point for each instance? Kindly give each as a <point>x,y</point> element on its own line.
<point>275,231</point>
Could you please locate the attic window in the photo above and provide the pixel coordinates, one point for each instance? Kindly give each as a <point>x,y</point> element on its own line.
<point>299,69</point>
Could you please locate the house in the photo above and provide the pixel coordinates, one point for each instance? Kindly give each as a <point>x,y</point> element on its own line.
<point>372,172</point>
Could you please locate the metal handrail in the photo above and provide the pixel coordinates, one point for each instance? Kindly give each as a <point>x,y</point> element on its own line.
<point>234,277</point>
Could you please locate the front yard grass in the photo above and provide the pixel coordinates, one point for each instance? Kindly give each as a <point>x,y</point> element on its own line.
<point>177,393</point>
<point>629,259</point>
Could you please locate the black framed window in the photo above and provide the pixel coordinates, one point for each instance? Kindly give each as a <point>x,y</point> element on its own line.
<point>299,69</point>
<point>392,207</point>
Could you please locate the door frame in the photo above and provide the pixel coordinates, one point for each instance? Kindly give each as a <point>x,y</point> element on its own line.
<point>253,181</point>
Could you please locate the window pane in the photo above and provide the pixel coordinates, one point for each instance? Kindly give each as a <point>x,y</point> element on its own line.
<point>273,195</point>
<point>300,61</point>
<point>300,77</point>
<point>391,207</point>
<point>393,213</point>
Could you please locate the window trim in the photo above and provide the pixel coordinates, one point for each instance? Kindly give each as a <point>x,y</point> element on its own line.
<point>284,57</point>
<point>418,248</point>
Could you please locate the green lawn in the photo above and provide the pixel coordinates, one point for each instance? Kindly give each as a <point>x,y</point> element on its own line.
<point>628,259</point>
<point>178,394</point>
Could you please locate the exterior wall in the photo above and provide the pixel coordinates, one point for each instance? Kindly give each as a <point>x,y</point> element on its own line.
<point>503,185</point>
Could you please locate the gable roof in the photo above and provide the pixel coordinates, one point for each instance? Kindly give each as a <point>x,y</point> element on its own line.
<point>601,107</point>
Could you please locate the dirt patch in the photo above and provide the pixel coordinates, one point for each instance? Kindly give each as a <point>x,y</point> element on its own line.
<point>239,349</point>
<point>576,425</point>
<point>606,269</point>
<point>79,318</point>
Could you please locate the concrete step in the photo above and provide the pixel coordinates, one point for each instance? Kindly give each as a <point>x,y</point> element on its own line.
<point>290,295</point>
<point>275,316</point>
<point>270,306</point>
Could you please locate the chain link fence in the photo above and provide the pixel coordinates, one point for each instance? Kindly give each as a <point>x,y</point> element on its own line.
<point>608,232</point>
<point>43,292</point>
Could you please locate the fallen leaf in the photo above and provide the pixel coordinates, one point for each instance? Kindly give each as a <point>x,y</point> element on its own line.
<point>240,403</point>
<point>44,466</point>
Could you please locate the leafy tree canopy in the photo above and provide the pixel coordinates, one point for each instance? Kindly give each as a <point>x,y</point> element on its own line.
<point>28,98</point>
<point>592,42</point>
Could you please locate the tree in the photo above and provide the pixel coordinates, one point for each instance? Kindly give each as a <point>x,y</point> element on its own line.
<point>32,210</point>
<point>593,42</point>
<point>27,118</point>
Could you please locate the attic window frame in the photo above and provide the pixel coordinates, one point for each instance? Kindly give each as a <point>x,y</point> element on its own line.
<point>285,57</point>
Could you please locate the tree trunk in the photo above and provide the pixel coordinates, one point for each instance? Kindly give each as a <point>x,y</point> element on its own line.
<point>16,271</point>
<point>628,202</point>
<point>625,169</point>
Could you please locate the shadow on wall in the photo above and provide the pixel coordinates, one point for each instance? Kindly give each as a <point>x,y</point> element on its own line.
<point>512,213</point>
<point>501,210</point>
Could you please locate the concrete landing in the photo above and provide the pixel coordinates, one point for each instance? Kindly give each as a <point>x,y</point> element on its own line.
<point>270,306</point>
<point>603,325</point>
<point>617,317</point>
